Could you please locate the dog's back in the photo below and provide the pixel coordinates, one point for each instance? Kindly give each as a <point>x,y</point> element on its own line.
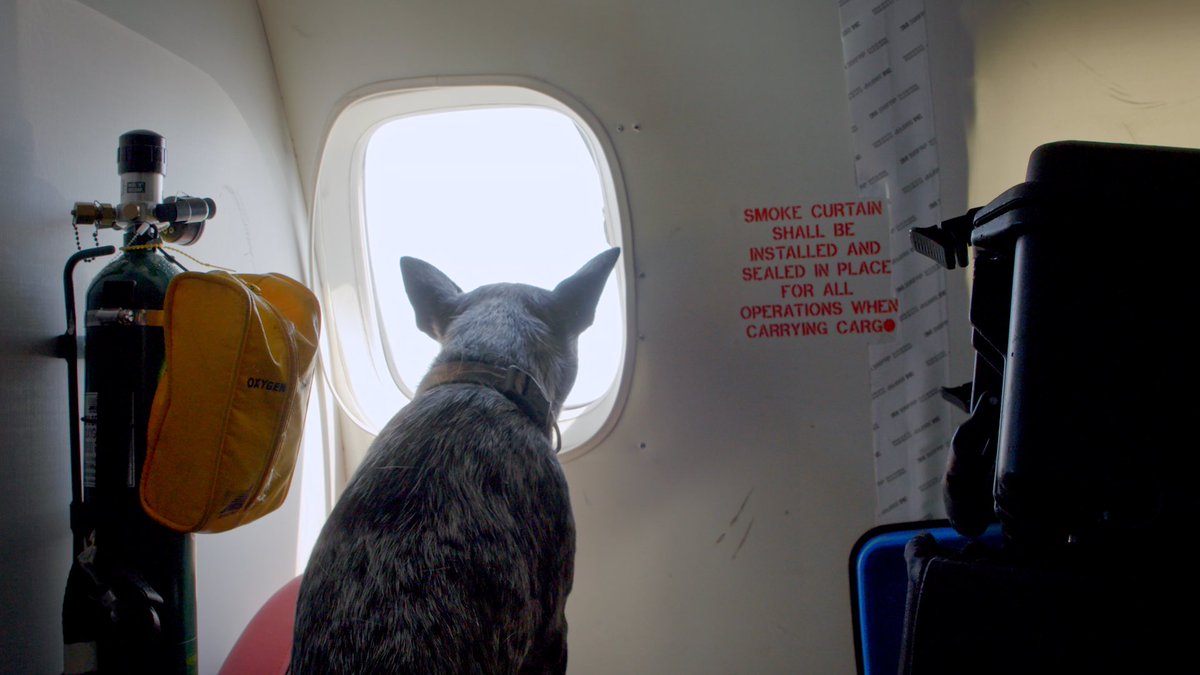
<point>451,550</point>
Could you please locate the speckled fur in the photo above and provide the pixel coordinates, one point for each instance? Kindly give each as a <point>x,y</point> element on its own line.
<point>452,548</point>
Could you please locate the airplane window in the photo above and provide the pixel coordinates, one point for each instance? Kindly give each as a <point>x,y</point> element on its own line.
<point>485,195</point>
<point>489,179</point>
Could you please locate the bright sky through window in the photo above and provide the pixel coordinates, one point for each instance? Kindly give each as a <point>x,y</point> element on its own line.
<point>487,195</point>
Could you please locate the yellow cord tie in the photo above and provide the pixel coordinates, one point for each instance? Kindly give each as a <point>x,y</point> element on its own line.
<point>146,247</point>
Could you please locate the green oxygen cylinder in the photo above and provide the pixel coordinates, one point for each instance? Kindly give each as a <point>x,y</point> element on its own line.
<point>130,605</point>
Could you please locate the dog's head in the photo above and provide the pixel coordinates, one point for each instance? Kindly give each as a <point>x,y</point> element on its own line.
<point>510,324</point>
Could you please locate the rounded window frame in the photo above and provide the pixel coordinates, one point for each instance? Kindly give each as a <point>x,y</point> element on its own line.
<point>354,353</point>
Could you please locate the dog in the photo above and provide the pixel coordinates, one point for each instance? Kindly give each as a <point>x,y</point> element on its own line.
<point>452,548</point>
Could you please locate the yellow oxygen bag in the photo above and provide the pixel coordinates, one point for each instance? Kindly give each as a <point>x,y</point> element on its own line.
<point>228,414</point>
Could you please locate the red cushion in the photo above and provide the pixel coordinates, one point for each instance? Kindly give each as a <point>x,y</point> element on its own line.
<point>265,647</point>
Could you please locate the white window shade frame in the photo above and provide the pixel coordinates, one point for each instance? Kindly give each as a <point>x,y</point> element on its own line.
<point>367,389</point>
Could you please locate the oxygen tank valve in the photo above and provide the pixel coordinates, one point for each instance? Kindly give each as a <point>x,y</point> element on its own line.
<point>142,164</point>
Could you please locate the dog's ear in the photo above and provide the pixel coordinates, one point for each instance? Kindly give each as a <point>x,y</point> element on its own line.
<point>431,293</point>
<point>576,297</point>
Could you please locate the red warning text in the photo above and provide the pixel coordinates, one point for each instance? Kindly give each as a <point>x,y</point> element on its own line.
<point>818,268</point>
<point>773,213</point>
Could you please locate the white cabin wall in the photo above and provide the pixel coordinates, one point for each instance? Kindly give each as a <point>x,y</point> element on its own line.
<point>716,521</point>
<point>74,77</point>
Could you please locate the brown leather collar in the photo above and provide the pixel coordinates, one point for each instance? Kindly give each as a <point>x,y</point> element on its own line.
<point>517,385</point>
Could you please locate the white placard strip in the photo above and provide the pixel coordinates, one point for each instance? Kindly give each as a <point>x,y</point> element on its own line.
<point>891,113</point>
